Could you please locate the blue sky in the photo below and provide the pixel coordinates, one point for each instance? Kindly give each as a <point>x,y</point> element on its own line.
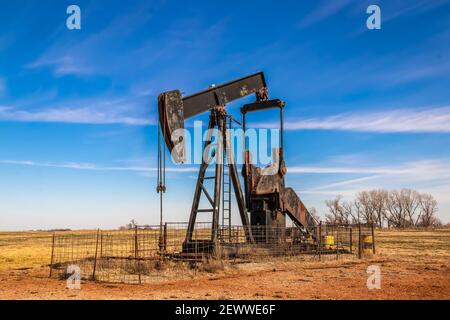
<point>365,108</point>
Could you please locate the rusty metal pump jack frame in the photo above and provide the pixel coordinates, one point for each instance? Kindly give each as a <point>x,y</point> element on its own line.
<point>266,197</point>
<point>217,120</point>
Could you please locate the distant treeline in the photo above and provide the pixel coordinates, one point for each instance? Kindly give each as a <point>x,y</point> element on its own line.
<point>405,208</point>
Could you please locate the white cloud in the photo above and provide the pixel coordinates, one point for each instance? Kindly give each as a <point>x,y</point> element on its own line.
<point>92,167</point>
<point>101,110</point>
<point>324,10</point>
<point>92,54</point>
<point>64,65</point>
<point>413,7</point>
<point>331,169</point>
<point>400,120</point>
<point>429,176</point>
<point>418,170</point>
<point>432,168</point>
<point>68,115</point>
<point>344,183</point>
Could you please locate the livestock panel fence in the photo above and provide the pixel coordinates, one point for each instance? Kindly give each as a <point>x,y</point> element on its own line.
<point>152,253</point>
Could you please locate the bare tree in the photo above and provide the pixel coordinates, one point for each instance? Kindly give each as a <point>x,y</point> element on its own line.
<point>358,209</point>
<point>397,208</point>
<point>129,226</point>
<point>402,207</point>
<point>379,200</point>
<point>335,210</point>
<point>428,207</point>
<point>395,215</point>
<point>133,223</point>
<point>367,209</point>
<point>348,212</point>
<point>411,203</point>
<point>370,206</point>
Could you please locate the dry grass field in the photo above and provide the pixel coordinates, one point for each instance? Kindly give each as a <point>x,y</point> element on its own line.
<point>414,265</point>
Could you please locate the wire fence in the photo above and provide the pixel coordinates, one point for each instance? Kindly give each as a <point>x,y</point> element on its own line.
<point>151,253</point>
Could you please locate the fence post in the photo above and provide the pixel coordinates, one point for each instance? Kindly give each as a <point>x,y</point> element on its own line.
<point>165,237</point>
<point>136,253</point>
<point>196,251</point>
<point>101,245</point>
<point>337,242</point>
<point>351,239</point>
<point>95,257</point>
<point>320,240</point>
<point>359,241</point>
<point>52,257</point>
<point>373,240</point>
<point>161,239</point>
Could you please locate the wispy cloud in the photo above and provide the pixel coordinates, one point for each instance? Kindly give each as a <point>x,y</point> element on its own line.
<point>63,65</point>
<point>92,167</point>
<point>397,9</point>
<point>331,169</point>
<point>109,50</point>
<point>409,174</point>
<point>430,176</point>
<point>400,120</point>
<point>88,54</point>
<point>419,170</point>
<point>323,10</point>
<point>68,115</point>
<point>344,183</point>
<point>392,10</point>
<point>127,111</point>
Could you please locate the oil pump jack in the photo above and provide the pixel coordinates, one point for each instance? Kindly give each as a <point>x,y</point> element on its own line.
<point>265,196</point>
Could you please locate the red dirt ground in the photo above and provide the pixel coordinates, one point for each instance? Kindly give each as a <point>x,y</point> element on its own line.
<point>401,279</point>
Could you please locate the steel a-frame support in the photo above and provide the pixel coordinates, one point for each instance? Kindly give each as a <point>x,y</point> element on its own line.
<point>217,120</point>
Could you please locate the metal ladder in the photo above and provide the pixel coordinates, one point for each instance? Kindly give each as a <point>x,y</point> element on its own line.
<point>226,193</point>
